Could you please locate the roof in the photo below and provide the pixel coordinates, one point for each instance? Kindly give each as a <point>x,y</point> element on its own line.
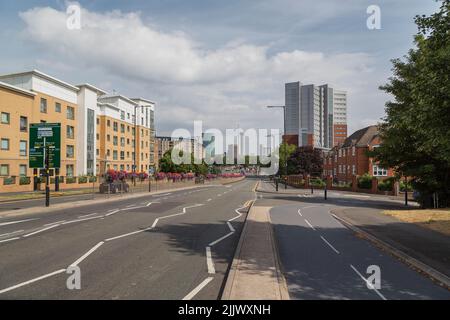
<point>44,76</point>
<point>362,137</point>
<point>118,96</point>
<point>17,89</point>
<point>142,99</point>
<point>93,88</point>
<point>109,105</point>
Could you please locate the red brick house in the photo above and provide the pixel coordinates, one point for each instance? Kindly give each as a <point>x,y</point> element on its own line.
<point>350,158</point>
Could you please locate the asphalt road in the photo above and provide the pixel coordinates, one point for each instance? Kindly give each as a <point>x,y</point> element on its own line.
<point>173,245</point>
<point>322,259</point>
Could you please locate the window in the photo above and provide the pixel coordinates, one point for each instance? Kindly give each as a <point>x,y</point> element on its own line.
<point>5,118</point>
<point>23,170</point>
<point>108,123</point>
<point>69,151</point>
<point>115,167</point>
<point>353,151</point>
<point>128,115</point>
<point>43,105</point>
<point>122,167</point>
<point>97,152</point>
<point>122,128</point>
<point>354,169</point>
<point>98,121</point>
<point>69,170</point>
<point>108,137</point>
<point>70,131</point>
<point>122,115</point>
<point>115,140</point>
<point>115,155</point>
<point>122,142</point>
<point>98,136</point>
<point>23,124</point>
<point>115,126</point>
<point>122,155</point>
<point>108,153</point>
<point>379,171</point>
<point>4,170</point>
<point>23,148</point>
<point>58,107</point>
<point>70,113</point>
<point>5,144</point>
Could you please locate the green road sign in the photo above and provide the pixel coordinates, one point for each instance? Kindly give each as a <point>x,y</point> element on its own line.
<point>45,138</point>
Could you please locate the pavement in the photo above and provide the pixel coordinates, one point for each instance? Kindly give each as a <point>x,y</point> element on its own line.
<point>173,245</point>
<point>323,259</point>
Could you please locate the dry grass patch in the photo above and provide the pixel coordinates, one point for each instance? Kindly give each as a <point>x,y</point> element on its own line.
<point>435,219</point>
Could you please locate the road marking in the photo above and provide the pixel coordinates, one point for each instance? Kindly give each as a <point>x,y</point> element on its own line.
<point>78,220</point>
<point>84,256</point>
<point>355,196</point>
<point>11,239</point>
<point>220,239</point>
<point>209,261</point>
<point>56,222</point>
<point>132,208</point>
<point>329,244</point>
<point>368,283</point>
<point>309,224</point>
<point>14,222</point>
<point>230,226</point>
<point>41,230</point>
<point>111,213</point>
<point>32,280</point>
<point>149,204</point>
<point>197,289</point>
<point>161,195</point>
<point>8,234</point>
<point>208,200</point>
<point>128,234</point>
<point>300,213</point>
<point>88,215</point>
<point>194,206</point>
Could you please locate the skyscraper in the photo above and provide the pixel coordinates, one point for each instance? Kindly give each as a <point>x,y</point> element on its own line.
<point>315,115</point>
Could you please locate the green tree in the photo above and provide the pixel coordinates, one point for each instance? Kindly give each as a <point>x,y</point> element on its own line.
<point>285,151</point>
<point>306,160</point>
<point>415,131</point>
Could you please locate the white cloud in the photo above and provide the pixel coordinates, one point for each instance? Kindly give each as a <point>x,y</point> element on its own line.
<point>225,86</point>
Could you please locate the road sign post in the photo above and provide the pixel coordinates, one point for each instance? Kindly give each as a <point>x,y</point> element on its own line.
<point>45,151</point>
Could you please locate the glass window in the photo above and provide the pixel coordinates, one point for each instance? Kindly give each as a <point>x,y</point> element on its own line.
<point>23,124</point>
<point>58,107</point>
<point>122,115</point>
<point>122,128</point>
<point>115,126</point>
<point>23,148</point>
<point>70,113</point>
<point>5,144</point>
<point>115,155</point>
<point>108,123</point>
<point>5,118</point>
<point>43,105</point>
<point>69,170</point>
<point>122,155</point>
<point>23,170</point>
<point>115,140</point>
<point>70,132</point>
<point>108,137</point>
<point>69,151</point>
<point>4,170</point>
<point>122,142</point>
<point>379,171</point>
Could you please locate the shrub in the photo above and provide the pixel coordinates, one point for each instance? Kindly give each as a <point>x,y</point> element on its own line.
<point>317,182</point>
<point>92,179</point>
<point>9,181</point>
<point>71,180</point>
<point>365,181</point>
<point>402,186</point>
<point>387,184</point>
<point>82,179</point>
<point>24,180</point>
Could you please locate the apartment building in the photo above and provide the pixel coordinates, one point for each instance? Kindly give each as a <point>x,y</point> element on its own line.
<point>315,115</point>
<point>191,146</point>
<point>350,158</point>
<point>97,129</point>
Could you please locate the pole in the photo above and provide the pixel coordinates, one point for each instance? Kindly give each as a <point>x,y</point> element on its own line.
<point>47,174</point>
<point>285,148</point>
<point>406,191</point>
<point>325,192</point>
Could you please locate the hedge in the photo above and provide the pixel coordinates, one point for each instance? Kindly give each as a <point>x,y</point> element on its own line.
<point>24,180</point>
<point>365,181</point>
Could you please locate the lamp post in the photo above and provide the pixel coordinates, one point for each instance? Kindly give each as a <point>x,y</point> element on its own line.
<point>284,131</point>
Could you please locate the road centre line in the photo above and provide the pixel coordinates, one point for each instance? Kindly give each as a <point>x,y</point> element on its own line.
<point>14,222</point>
<point>84,256</point>
<point>32,280</point>
<point>41,230</point>
<point>78,220</point>
<point>10,239</point>
<point>369,285</point>
<point>87,215</point>
<point>56,222</point>
<point>197,289</point>
<point>329,244</point>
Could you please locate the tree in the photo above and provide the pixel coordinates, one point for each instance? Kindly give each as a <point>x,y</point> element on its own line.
<point>306,160</point>
<point>415,131</point>
<point>285,151</point>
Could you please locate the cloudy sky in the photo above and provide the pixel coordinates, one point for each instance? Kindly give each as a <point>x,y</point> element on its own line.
<point>216,61</point>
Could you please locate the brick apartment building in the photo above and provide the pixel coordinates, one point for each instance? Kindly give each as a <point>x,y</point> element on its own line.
<point>350,158</point>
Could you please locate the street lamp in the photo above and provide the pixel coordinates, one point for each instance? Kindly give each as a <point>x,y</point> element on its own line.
<point>284,130</point>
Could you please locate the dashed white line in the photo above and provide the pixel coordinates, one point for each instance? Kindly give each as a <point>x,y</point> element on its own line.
<point>32,280</point>
<point>209,261</point>
<point>309,224</point>
<point>14,222</point>
<point>369,285</point>
<point>41,230</point>
<point>197,289</point>
<point>84,256</point>
<point>56,222</point>
<point>10,239</point>
<point>220,239</point>
<point>329,244</point>
<point>208,200</point>
<point>11,233</point>
<point>88,215</point>
<point>74,221</point>
<point>111,213</point>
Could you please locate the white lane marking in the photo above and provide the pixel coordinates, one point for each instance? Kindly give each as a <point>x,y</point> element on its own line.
<point>368,283</point>
<point>220,239</point>
<point>132,208</point>
<point>149,204</point>
<point>129,206</point>
<point>161,195</point>
<point>329,244</point>
<point>14,222</point>
<point>128,234</point>
<point>32,280</point>
<point>11,239</point>
<point>208,200</point>
<point>84,256</point>
<point>78,220</point>
<point>219,195</point>
<point>88,215</point>
<point>230,226</point>
<point>56,222</point>
<point>194,206</point>
<point>10,233</point>
<point>111,213</point>
<point>197,289</point>
<point>300,213</point>
<point>309,224</point>
<point>209,261</point>
<point>41,230</point>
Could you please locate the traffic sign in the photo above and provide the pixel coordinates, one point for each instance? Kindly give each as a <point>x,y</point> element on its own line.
<point>45,140</point>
